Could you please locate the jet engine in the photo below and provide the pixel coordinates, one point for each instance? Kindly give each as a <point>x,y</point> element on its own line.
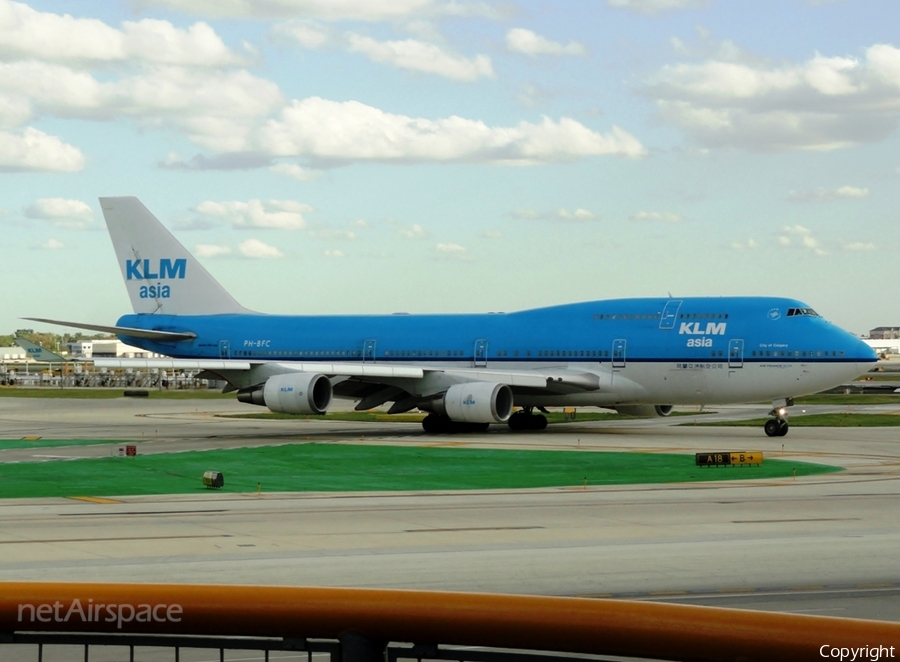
<point>647,411</point>
<point>293,393</point>
<point>476,402</point>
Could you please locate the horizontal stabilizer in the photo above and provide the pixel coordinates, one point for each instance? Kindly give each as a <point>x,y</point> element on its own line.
<point>150,334</point>
<point>172,364</point>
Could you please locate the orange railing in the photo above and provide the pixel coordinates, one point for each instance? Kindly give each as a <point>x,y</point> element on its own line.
<point>574,625</point>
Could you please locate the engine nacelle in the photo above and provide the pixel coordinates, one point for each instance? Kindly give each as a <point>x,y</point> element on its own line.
<point>293,393</point>
<point>476,402</point>
<point>647,411</point>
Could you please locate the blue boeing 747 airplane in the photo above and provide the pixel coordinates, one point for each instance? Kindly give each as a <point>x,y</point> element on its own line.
<point>636,356</point>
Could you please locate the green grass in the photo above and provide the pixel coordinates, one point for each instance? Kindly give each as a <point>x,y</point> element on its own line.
<point>107,393</point>
<point>852,399</point>
<point>55,443</point>
<point>821,420</point>
<point>327,467</point>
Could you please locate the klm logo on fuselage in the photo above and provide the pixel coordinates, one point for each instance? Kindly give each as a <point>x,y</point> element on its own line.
<point>696,329</point>
<point>165,269</point>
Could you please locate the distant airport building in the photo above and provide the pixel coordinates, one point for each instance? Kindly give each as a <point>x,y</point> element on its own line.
<point>884,339</point>
<point>885,333</point>
<point>12,354</point>
<point>111,348</point>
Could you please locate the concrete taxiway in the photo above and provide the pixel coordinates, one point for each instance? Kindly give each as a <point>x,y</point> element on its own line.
<point>825,544</point>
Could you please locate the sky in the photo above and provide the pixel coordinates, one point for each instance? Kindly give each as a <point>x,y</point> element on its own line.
<point>379,156</point>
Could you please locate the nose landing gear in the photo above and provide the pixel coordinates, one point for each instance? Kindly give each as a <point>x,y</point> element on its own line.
<point>777,426</point>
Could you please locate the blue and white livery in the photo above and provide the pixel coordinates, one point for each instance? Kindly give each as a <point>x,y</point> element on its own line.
<point>636,356</point>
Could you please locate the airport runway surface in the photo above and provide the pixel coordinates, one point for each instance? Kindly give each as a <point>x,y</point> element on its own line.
<point>825,544</point>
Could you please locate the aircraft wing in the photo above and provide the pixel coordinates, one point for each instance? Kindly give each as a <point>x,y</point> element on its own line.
<point>561,377</point>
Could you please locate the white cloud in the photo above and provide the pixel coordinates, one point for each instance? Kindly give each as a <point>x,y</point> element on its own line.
<point>212,250</point>
<point>277,214</point>
<point>334,253</point>
<point>216,109</point>
<point>61,212</point>
<point>821,104</point>
<point>307,34</point>
<point>227,161</point>
<point>884,61</point>
<point>34,150</point>
<point>453,252</point>
<point>352,131</point>
<point>50,245</point>
<point>750,244</point>
<point>256,249</point>
<point>332,234</point>
<point>326,10</point>
<point>577,215</point>
<point>295,172</point>
<point>860,246</point>
<point>414,231</point>
<point>420,56</point>
<point>520,40</point>
<point>829,194</point>
<point>25,32</point>
<point>653,7</point>
<point>492,234</point>
<point>657,217</point>
<point>533,96</point>
<point>798,236</point>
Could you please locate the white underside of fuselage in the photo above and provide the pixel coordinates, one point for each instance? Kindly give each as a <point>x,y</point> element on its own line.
<point>671,383</point>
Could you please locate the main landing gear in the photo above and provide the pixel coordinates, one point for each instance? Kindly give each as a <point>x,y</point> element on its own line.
<point>439,424</point>
<point>525,419</point>
<point>777,426</point>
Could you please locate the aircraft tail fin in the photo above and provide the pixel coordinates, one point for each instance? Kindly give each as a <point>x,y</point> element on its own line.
<point>37,352</point>
<point>161,276</point>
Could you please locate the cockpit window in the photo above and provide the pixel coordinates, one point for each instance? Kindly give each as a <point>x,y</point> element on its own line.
<point>807,312</point>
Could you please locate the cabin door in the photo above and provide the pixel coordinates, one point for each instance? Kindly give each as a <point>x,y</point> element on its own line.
<point>481,353</point>
<point>369,351</point>
<point>735,353</point>
<point>669,314</point>
<point>618,353</point>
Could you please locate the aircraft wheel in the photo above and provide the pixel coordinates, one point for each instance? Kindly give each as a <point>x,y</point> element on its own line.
<point>782,428</point>
<point>435,423</point>
<point>525,421</point>
<point>772,428</point>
